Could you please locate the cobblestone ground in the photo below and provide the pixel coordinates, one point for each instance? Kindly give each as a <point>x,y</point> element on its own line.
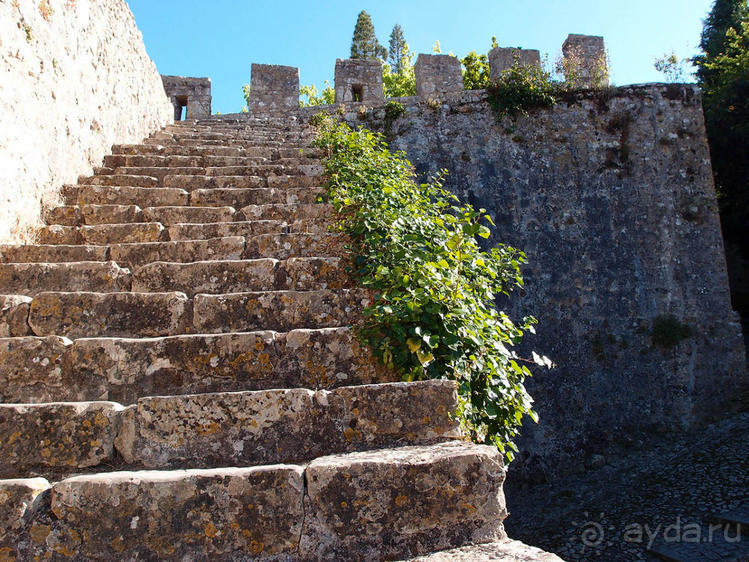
<point>665,495</point>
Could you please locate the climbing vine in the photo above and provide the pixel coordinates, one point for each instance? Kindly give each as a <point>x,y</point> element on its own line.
<point>434,316</point>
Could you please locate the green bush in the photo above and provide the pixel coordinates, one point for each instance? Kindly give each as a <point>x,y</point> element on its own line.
<point>434,314</point>
<point>520,88</point>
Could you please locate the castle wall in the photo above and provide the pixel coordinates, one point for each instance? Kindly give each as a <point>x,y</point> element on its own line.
<point>76,79</point>
<point>611,197</point>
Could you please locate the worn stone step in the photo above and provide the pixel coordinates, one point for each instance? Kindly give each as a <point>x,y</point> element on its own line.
<point>191,183</point>
<point>285,212</point>
<point>39,253</point>
<point>374,505</point>
<point>198,231</point>
<point>14,314</point>
<point>112,214</point>
<point>216,277</point>
<point>175,215</point>
<point>159,171</point>
<point>183,251</point>
<point>141,196</point>
<point>81,314</point>
<point>238,198</point>
<point>58,234</point>
<point>52,369</point>
<point>32,278</point>
<point>65,215</point>
<point>122,180</point>
<point>284,246</point>
<point>253,152</point>
<point>127,233</point>
<point>277,310</point>
<point>56,438</point>
<point>280,426</point>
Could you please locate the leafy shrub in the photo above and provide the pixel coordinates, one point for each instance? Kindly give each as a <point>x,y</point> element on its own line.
<point>475,71</point>
<point>520,88</point>
<point>313,98</point>
<point>434,314</point>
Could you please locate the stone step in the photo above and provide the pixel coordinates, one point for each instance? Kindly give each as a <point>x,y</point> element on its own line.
<point>157,171</point>
<point>175,215</point>
<point>56,438</point>
<point>285,212</point>
<point>276,310</point>
<point>238,198</point>
<point>65,215</point>
<point>87,314</point>
<point>281,426</point>
<point>103,234</point>
<point>112,214</point>
<point>223,429</point>
<point>192,231</point>
<point>381,504</point>
<point>252,152</point>
<point>216,277</point>
<point>260,170</point>
<point>47,253</point>
<point>33,278</point>
<point>224,142</point>
<point>122,180</point>
<point>193,182</point>
<point>285,246</point>
<point>183,251</point>
<point>141,196</point>
<point>116,161</point>
<point>81,314</point>
<point>53,369</point>
<point>14,314</point>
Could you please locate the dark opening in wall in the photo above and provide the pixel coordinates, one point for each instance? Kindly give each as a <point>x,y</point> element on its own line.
<point>179,107</point>
<point>357,92</point>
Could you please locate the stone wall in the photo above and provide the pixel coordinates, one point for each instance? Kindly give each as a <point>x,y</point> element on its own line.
<point>437,75</point>
<point>274,89</point>
<point>76,79</point>
<point>611,197</point>
<point>502,58</point>
<point>358,80</point>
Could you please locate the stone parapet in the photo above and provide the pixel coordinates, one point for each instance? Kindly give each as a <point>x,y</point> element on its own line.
<point>502,58</point>
<point>437,74</point>
<point>584,63</point>
<point>274,89</point>
<point>358,81</point>
<point>191,94</point>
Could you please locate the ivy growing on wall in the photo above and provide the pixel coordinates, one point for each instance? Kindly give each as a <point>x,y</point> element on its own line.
<point>434,316</point>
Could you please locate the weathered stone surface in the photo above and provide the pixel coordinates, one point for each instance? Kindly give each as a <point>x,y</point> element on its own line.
<point>278,310</point>
<point>227,514</point>
<point>274,89</point>
<point>136,255</point>
<point>192,231</point>
<point>12,253</point>
<point>114,180</point>
<point>34,370</point>
<point>238,198</point>
<point>300,244</point>
<point>56,438</point>
<point>174,215</point>
<point>406,501</point>
<point>112,214</point>
<point>57,234</point>
<point>14,313</point>
<point>77,315</point>
<point>358,80</point>
<point>192,94</point>
<point>287,212</point>
<point>145,196</point>
<point>65,215</point>
<point>264,427</point>
<point>191,183</point>
<point>505,550</point>
<point>502,58</point>
<point>437,75</point>
<point>32,278</point>
<point>595,278</point>
<point>123,233</point>
<point>16,507</point>
<point>66,96</point>
<point>124,369</point>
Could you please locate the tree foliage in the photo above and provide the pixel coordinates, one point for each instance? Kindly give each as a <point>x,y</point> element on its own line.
<point>434,314</point>
<point>402,82</point>
<point>311,97</point>
<point>723,74</point>
<point>476,75</point>
<point>398,52</point>
<point>364,44</point>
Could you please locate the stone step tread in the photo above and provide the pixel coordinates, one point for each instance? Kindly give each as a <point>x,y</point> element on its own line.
<point>52,369</point>
<point>223,429</point>
<point>104,234</point>
<point>384,504</point>
<point>122,180</point>
<point>14,314</point>
<point>183,251</point>
<point>201,161</point>
<point>127,314</point>
<point>33,278</point>
<point>296,169</point>
<point>271,153</point>
<point>53,253</point>
<point>236,276</point>
<point>124,195</point>
<point>193,182</point>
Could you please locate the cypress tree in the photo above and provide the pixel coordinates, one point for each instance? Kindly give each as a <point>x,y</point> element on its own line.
<point>397,49</point>
<point>364,44</point>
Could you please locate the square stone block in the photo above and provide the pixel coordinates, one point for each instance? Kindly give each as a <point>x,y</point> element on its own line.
<point>358,80</point>
<point>274,89</point>
<point>502,58</point>
<point>437,74</point>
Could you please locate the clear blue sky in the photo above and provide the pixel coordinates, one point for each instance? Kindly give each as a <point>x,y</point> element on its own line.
<point>221,38</point>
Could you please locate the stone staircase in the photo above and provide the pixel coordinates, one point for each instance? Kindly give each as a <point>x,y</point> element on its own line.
<point>179,379</point>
